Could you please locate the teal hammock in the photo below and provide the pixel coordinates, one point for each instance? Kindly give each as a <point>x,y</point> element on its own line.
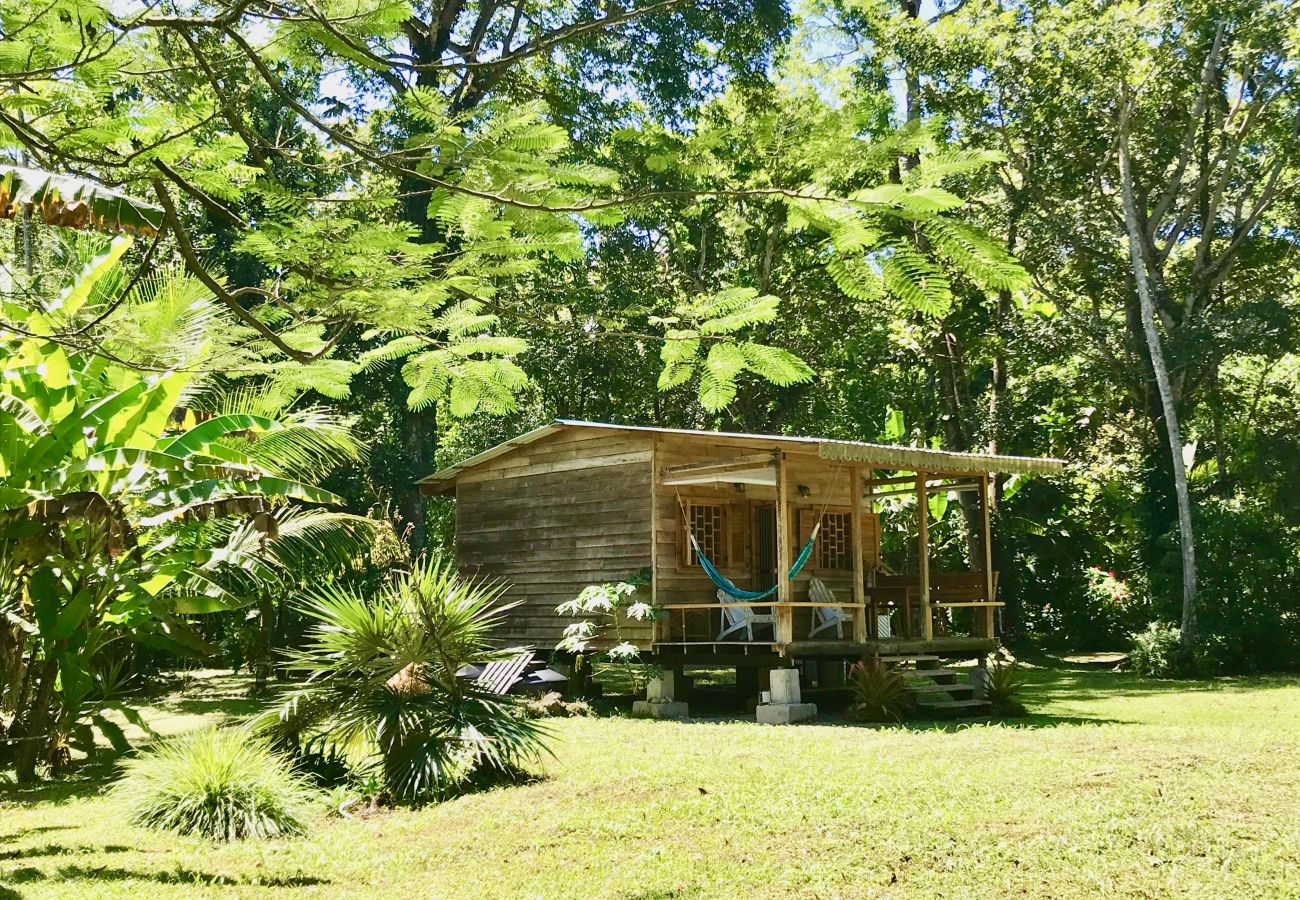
<point>722,583</point>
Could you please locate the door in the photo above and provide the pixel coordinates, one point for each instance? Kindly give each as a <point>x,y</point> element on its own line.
<point>764,546</point>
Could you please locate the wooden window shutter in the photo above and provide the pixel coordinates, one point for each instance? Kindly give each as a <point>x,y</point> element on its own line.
<point>683,542</point>
<point>871,540</point>
<point>737,531</point>
<point>807,521</point>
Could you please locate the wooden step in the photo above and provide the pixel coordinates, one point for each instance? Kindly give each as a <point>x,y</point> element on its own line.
<point>952,709</point>
<point>960,688</point>
<point>934,673</point>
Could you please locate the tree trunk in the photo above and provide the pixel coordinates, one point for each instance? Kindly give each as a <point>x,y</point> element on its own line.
<point>35,720</point>
<point>1155,349</point>
<point>265,625</point>
<point>419,443</point>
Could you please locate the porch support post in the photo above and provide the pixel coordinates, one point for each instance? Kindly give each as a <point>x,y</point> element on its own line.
<point>784,613</point>
<point>990,582</point>
<point>657,633</point>
<point>859,568</point>
<point>923,559</point>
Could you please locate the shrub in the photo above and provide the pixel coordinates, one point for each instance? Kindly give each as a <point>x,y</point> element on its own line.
<point>1002,688</point>
<point>383,682</point>
<point>1248,571</point>
<point>224,784</point>
<point>879,692</point>
<point>1155,651</point>
<point>553,703</point>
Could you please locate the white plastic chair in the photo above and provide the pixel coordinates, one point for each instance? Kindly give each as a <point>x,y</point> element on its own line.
<point>825,617</point>
<point>741,618</point>
<point>884,626</point>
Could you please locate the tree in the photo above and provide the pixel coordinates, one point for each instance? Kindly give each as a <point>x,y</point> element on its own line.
<point>441,190</point>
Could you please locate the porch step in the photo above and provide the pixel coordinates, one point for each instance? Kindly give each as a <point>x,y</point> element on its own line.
<point>918,658</point>
<point>934,673</point>
<point>953,709</point>
<point>921,689</point>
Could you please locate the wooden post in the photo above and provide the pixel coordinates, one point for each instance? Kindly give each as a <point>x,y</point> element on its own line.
<point>989,580</point>
<point>784,613</point>
<point>859,569</point>
<point>655,630</point>
<point>923,560</point>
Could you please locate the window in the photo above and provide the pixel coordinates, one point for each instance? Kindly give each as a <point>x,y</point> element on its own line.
<point>707,526</point>
<point>835,542</point>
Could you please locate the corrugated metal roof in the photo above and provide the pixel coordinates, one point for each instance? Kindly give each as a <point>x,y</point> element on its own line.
<point>885,456</point>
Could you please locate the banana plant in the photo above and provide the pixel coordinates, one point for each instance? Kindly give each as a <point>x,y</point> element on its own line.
<point>115,504</point>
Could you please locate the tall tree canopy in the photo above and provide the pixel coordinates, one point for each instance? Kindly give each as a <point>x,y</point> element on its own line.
<point>864,218</point>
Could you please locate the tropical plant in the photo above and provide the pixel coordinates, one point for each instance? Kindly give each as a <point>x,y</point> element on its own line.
<point>1004,682</point>
<point>225,784</point>
<point>598,637</point>
<point>121,512</point>
<point>383,684</point>
<point>1155,652</point>
<point>879,691</point>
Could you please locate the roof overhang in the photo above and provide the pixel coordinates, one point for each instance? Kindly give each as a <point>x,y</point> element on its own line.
<point>757,468</point>
<point>920,459</point>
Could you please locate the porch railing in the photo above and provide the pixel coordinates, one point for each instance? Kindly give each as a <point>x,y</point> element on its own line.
<point>959,606</point>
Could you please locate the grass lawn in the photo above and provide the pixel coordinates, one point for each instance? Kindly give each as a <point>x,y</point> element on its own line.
<point>1116,787</point>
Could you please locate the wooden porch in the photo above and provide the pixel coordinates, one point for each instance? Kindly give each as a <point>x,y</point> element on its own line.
<point>883,613</point>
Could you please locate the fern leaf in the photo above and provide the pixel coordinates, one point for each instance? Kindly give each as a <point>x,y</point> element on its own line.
<point>780,367</point>
<point>916,281</point>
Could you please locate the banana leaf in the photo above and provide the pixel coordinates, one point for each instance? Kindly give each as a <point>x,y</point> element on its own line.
<point>69,202</point>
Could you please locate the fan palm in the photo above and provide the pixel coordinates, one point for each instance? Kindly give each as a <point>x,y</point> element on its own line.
<point>383,682</point>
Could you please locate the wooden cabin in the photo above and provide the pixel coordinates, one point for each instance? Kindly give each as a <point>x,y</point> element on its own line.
<point>574,503</point>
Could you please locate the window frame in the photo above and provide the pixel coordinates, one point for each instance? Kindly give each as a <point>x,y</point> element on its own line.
<point>721,551</point>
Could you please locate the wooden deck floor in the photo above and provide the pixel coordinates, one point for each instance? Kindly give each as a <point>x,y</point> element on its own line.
<point>939,646</point>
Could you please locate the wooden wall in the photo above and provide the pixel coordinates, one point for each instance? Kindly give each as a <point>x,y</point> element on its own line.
<point>550,518</point>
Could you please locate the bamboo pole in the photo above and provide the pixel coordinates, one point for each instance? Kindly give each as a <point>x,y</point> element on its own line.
<point>859,570</point>
<point>923,558</point>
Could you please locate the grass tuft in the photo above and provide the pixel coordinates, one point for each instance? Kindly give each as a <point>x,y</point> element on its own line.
<point>223,784</point>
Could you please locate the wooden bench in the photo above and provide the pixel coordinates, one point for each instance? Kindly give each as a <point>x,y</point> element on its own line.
<point>948,590</point>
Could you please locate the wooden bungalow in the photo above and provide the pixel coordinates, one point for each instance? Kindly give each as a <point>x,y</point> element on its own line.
<point>575,503</point>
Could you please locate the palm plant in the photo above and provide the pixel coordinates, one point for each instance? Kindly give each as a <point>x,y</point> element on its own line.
<point>383,682</point>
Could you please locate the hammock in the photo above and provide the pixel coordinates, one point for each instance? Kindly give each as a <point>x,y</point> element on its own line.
<point>722,583</point>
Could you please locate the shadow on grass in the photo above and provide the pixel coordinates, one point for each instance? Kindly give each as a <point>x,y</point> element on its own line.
<point>1078,685</point>
<point>76,783</point>
<point>233,706</point>
<point>180,875</point>
<point>28,832</point>
<point>57,850</point>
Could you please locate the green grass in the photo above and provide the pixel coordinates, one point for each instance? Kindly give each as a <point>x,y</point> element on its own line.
<point>1116,787</point>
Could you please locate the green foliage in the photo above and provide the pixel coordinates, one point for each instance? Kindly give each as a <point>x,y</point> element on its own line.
<point>1004,685</point>
<point>604,613</point>
<point>222,784</point>
<point>1155,652</point>
<point>879,692</point>
<point>119,513</point>
<point>1248,551</point>
<point>383,684</point>
<point>703,348</point>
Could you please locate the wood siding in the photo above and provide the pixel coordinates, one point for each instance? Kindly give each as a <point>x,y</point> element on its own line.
<point>570,510</point>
